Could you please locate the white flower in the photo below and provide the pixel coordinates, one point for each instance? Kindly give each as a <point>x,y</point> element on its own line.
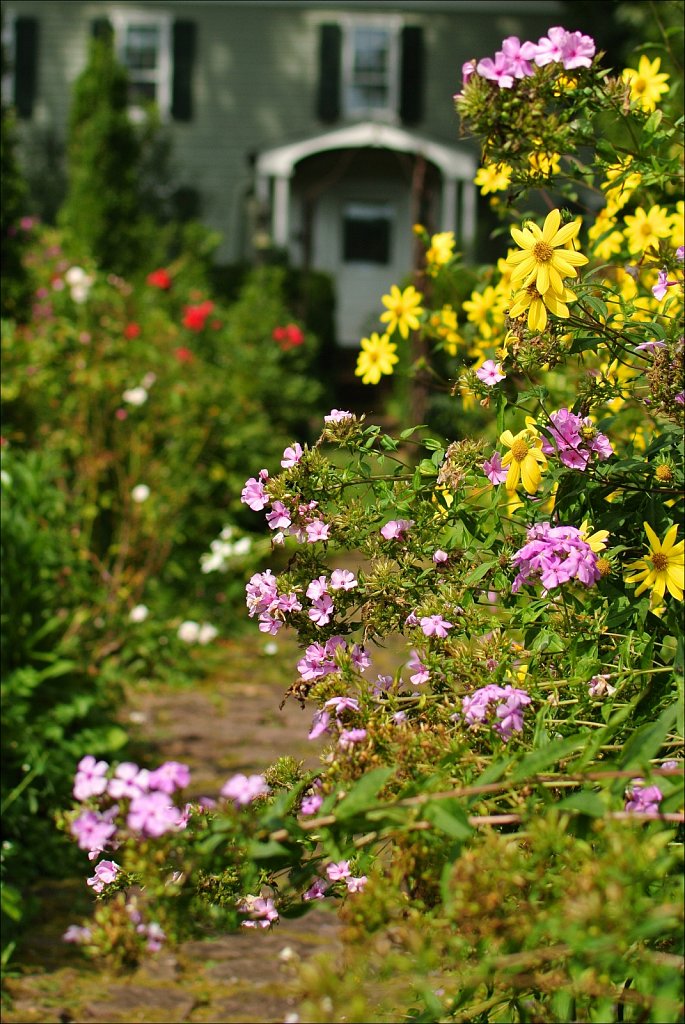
<point>207,633</point>
<point>76,275</point>
<point>135,396</point>
<point>140,493</point>
<point>189,631</point>
<point>139,613</point>
<point>148,380</point>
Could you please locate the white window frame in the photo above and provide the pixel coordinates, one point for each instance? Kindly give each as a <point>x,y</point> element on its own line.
<point>9,41</point>
<point>161,75</point>
<point>392,24</point>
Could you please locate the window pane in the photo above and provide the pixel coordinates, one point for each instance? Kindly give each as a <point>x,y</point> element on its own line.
<point>140,93</point>
<point>371,47</point>
<point>366,234</point>
<point>141,50</point>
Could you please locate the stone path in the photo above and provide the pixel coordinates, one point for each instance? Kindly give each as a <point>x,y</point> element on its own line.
<point>231,723</point>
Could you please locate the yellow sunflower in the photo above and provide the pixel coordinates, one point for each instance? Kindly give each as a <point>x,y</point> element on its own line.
<point>402,310</point>
<point>493,178</point>
<point>524,459</point>
<point>440,252</point>
<point>662,568</point>
<point>376,358</point>
<point>542,259</point>
<point>644,228</point>
<point>647,86</point>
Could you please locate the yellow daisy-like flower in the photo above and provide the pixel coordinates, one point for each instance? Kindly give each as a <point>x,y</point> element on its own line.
<point>618,195</point>
<point>537,305</point>
<point>440,252</point>
<point>524,459</point>
<point>493,178</point>
<point>644,228</point>
<point>596,540</point>
<point>678,225</point>
<point>647,86</point>
<point>663,568</point>
<point>542,259</point>
<point>376,358</point>
<point>484,309</point>
<point>604,233</point>
<point>443,323</point>
<point>403,310</point>
<point>544,164</point>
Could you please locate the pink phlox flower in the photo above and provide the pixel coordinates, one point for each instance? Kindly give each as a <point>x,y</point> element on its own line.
<point>599,686</point>
<point>152,814</point>
<point>317,588</point>
<point>490,373</point>
<point>497,70</point>
<point>550,48</point>
<point>288,603</point>
<point>680,253</point>
<point>320,724</point>
<point>643,799</point>
<point>154,934</point>
<point>348,737</point>
<point>340,704</point>
<point>291,456</point>
<point>508,702</point>
<point>440,557</point>
<point>338,870</point>
<point>396,528</point>
<point>90,778</point>
<point>338,416</point>
<point>254,494</point>
<point>578,51</point>
<point>650,346</point>
<point>435,625</point>
<point>356,884</point>
<point>260,592</point>
<point>680,398</point>
<point>411,620</point>
<point>105,873</point>
<point>343,579</point>
<point>311,804</point>
<point>518,56</point>
<point>317,530</point>
<point>573,438</point>
<point>493,469</point>
<point>279,516</point>
<point>421,674</point>
<point>662,285</point>
<point>262,912</point>
<point>359,658</point>
<point>554,555</point>
<point>382,685</point>
<point>468,70</point>
<point>243,789</point>
<point>321,611</point>
<point>270,623</point>
<point>399,716</point>
<point>317,891</point>
<point>93,831</point>
<point>314,665</point>
<point>76,933</point>
<point>128,781</point>
<point>169,777</point>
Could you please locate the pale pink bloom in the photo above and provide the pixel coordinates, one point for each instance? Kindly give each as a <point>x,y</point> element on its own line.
<point>317,890</point>
<point>490,373</point>
<point>435,625</point>
<point>339,870</point>
<point>396,528</point>
<point>348,737</point>
<point>291,456</point>
<point>338,416</point>
<point>317,588</point>
<point>440,557</point>
<point>356,884</point>
<point>317,530</point>
<point>243,789</point>
<point>321,611</point>
<point>343,579</point>
<point>90,778</point>
<point>496,71</point>
<point>493,469</point>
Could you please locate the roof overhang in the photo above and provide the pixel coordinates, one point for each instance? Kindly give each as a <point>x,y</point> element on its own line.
<point>280,162</point>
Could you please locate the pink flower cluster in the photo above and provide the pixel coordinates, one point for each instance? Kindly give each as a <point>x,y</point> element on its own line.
<point>554,555</point>
<point>150,811</point>
<point>243,789</point>
<point>299,520</point>
<point>264,600</point>
<point>336,872</point>
<point>508,703</point>
<point>320,659</point>
<point>642,799</point>
<point>262,912</point>
<point>575,439</point>
<point>518,60</point>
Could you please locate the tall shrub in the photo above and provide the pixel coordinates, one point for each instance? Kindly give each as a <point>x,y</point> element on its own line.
<point>102,213</point>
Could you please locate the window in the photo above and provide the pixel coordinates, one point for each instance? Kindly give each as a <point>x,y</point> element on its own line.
<point>143,46</point>
<point>371,68</point>
<point>367,233</point>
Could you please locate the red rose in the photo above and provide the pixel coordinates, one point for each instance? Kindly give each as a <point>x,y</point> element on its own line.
<point>131,331</point>
<point>195,317</point>
<point>183,354</point>
<point>159,279</point>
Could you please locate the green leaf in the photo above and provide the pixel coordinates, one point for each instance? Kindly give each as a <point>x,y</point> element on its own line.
<point>646,741</point>
<point>449,816</point>
<point>554,751</point>
<point>363,793</point>
<point>586,802</point>
<point>479,572</point>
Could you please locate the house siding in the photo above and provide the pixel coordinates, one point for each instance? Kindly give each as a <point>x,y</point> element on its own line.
<point>255,78</point>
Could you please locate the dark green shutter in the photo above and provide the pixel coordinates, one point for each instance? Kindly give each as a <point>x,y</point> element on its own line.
<point>183,56</point>
<point>330,47</point>
<point>25,65</point>
<point>412,72</point>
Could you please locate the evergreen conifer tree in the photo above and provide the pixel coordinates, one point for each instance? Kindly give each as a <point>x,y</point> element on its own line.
<point>101,214</point>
